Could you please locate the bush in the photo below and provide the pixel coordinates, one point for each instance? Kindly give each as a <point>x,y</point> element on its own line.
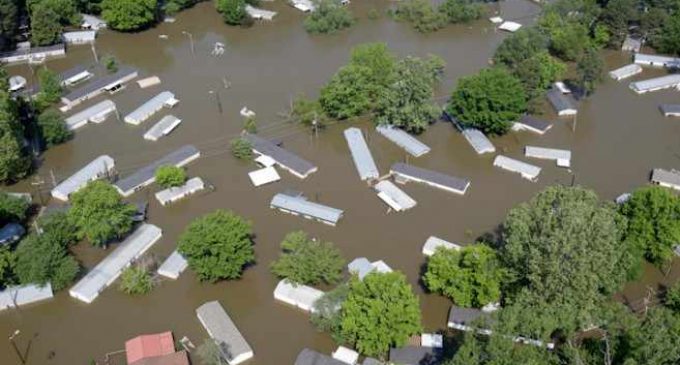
<point>250,125</point>
<point>129,15</point>
<point>12,208</point>
<point>306,111</point>
<point>218,246</point>
<point>330,16</point>
<point>53,128</point>
<point>168,176</point>
<point>421,14</point>
<point>233,11</point>
<point>110,63</point>
<point>7,261</point>
<point>308,261</point>
<point>136,281</point>
<point>462,11</point>
<point>242,149</point>
<point>673,298</point>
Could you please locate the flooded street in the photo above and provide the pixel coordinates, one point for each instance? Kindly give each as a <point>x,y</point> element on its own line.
<point>619,138</point>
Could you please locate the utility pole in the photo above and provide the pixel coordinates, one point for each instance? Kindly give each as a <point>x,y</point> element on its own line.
<point>573,128</point>
<point>54,179</point>
<point>191,41</point>
<point>37,183</point>
<point>16,349</point>
<point>94,52</point>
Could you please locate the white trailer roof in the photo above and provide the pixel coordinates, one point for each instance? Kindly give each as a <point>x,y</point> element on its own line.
<point>222,329</point>
<point>656,83</point>
<point>393,196</point>
<point>173,194</point>
<point>166,125</point>
<point>527,171</point>
<point>257,13</point>
<point>363,160</point>
<point>94,170</point>
<point>625,71</point>
<point>108,270</point>
<point>432,243</point>
<point>509,26</point>
<point>264,176</point>
<point>562,157</point>
<point>302,206</point>
<point>478,141</point>
<point>404,140</point>
<point>297,295</point>
<point>96,113</point>
<point>173,266</point>
<point>14,296</point>
<point>165,98</point>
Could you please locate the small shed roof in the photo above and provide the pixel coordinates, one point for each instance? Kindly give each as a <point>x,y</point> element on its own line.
<point>264,176</point>
<point>666,177</point>
<point>404,140</point>
<point>478,141</point>
<point>151,345</point>
<point>362,267</point>
<point>509,26</point>
<point>300,167</point>
<point>670,109</point>
<point>348,356</point>
<point>433,243</point>
<point>311,357</point>
<point>533,124</point>
<point>625,71</point>
<point>175,193</point>
<point>257,13</point>
<point>222,329</point>
<point>363,160</point>
<point>298,295</point>
<point>173,266</point>
<point>79,36</point>
<point>396,198</point>
<point>526,170</point>
<point>304,207</point>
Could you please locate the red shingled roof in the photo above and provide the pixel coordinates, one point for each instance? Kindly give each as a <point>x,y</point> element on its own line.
<point>145,346</point>
<point>177,358</point>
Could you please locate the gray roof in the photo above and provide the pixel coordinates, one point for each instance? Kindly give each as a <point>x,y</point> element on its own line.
<point>669,109</point>
<point>464,316</point>
<point>20,295</point>
<point>403,140</point>
<point>416,355</point>
<point>222,329</point>
<point>527,171</point>
<point>363,160</point>
<point>283,157</point>
<point>625,71</point>
<point>657,59</point>
<point>478,141</point>
<point>560,101</point>
<point>311,357</point>
<point>451,182</point>
<point>304,207</point>
<point>11,233</point>
<point>666,177</point>
<point>372,361</point>
<point>100,83</point>
<point>72,72</point>
<point>535,123</point>
<point>146,175</point>
<point>173,266</point>
<point>656,83</point>
<point>149,108</point>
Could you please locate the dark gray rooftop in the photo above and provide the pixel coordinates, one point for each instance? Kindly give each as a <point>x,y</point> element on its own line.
<point>372,361</point>
<point>311,357</point>
<point>178,157</point>
<point>283,157</point>
<point>431,176</point>
<point>670,108</point>
<point>560,101</point>
<point>464,316</point>
<point>72,72</point>
<point>535,123</point>
<point>416,355</point>
<point>99,83</point>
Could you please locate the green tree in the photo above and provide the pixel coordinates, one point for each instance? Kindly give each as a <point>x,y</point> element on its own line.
<point>653,214</point>
<point>9,22</point>
<point>349,93</point>
<point>498,349</point>
<point>308,261</point>
<point>59,228</point>
<point>53,128</point>
<point>654,341</point>
<point>99,214</point>
<point>305,111</point>
<point>672,300</point>
<point>421,14</point>
<point>519,47</point>
<point>407,103</point>
<point>12,208</point>
<point>569,38</point>
<point>233,11</point>
<point>380,312</point>
<point>6,267</point>
<point>14,164</point>
<point>129,15</point>
<point>538,72</point>
<point>50,88</point>
<point>168,176</point>
<point>589,70</point>
<point>45,26</point>
<point>41,260</point>
<point>489,101</point>
<point>462,11</point>
<point>329,17</point>
<point>250,125</point>
<point>471,277</point>
<point>66,10</point>
<point>327,316</point>
<point>218,246</point>
<point>241,148</point>
<point>669,36</point>
<point>379,61</point>
<point>136,280</point>
<point>563,222</point>
<point>617,16</point>
<point>210,354</point>
<point>110,63</point>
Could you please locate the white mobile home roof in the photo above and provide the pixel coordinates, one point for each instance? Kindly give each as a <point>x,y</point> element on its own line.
<point>297,295</point>
<point>144,112</point>
<point>94,170</point>
<point>264,176</point>
<point>95,114</point>
<point>222,329</point>
<point>257,13</point>
<point>656,60</point>
<point>404,140</point>
<point>21,295</point>
<point>527,171</point>
<point>79,37</point>
<point>562,157</point>
<point>173,194</point>
<point>432,243</point>
<point>108,270</point>
<point>300,206</point>
<point>393,196</point>
<point>75,75</point>
<point>667,178</point>
<point>363,160</point>
<point>478,141</point>
<point>166,125</point>
<point>670,110</point>
<point>284,158</point>
<point>657,83</point>
<point>625,71</point>
<point>303,5</point>
<point>532,124</point>
<point>173,266</point>
<point>147,175</point>
<point>429,177</point>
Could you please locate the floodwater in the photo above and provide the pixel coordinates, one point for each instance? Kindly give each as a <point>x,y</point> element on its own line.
<point>619,138</point>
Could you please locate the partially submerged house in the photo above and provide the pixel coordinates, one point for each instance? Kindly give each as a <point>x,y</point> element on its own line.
<point>311,357</point>
<point>33,55</point>
<point>100,167</point>
<point>394,197</point>
<point>305,6</point>
<point>527,171</point>
<point>404,173</point>
<point>173,266</point>
<point>561,157</point>
<point>233,346</point>
<point>478,141</point>
<point>656,84</point>
<point>75,75</point>
<point>404,140</point>
<point>666,178</point>
<point>145,111</point>
<point>110,83</point>
<point>625,72</point>
<point>631,44</point>
<point>656,60</point>
<point>175,193</point>
<point>299,205</point>
<point>563,104</point>
<point>531,124</point>
<point>15,296</point>
<point>259,14</point>
<point>110,268</point>
<point>509,26</point>
<point>147,346</point>
<point>164,127</point>
<point>361,266</point>
<point>94,114</point>
<point>363,159</point>
<point>79,37</point>
<point>670,110</point>
<point>416,355</point>
<point>433,243</point>
<point>297,295</point>
<point>284,158</point>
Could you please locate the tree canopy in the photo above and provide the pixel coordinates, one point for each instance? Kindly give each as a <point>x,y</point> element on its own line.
<point>329,16</point>
<point>589,70</point>
<point>380,312</point>
<point>168,176</point>
<point>241,148</point>
<point>14,164</point>
<point>53,128</point>
<point>233,11</point>
<point>471,277</point>
<point>136,280</point>
<point>12,208</point>
<point>308,261</point>
<point>99,214</point>
<point>489,101</point>
<point>218,246</point>
<point>129,15</point>
<point>7,262</point>
<point>41,260</point>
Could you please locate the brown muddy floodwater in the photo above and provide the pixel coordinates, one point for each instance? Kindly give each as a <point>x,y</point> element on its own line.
<point>620,137</point>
